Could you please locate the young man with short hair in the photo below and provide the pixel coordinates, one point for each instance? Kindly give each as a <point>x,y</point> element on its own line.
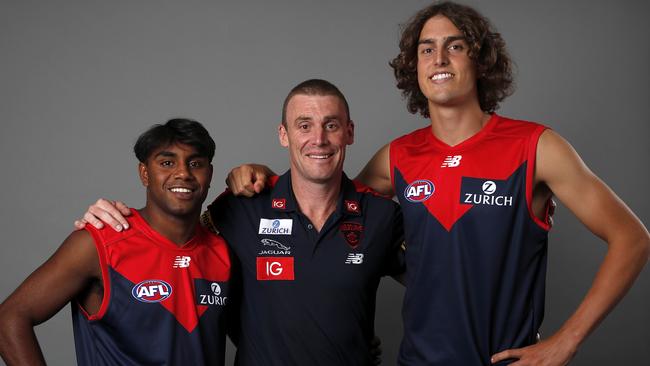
<point>157,294</point>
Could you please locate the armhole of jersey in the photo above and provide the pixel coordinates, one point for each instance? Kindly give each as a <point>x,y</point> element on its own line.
<point>391,167</point>
<point>106,281</point>
<point>530,178</point>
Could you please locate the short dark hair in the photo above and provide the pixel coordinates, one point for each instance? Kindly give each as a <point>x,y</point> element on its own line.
<point>486,48</point>
<point>177,130</point>
<point>314,87</point>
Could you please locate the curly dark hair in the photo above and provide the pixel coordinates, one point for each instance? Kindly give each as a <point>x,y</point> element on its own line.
<point>486,48</point>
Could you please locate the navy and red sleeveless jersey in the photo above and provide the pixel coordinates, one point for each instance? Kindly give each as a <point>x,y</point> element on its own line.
<point>475,252</point>
<point>162,305</point>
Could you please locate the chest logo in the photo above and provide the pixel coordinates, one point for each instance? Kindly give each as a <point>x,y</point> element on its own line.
<point>152,291</point>
<point>485,192</point>
<point>419,191</point>
<point>354,258</point>
<point>352,233</point>
<point>275,226</point>
<point>211,293</point>
<point>275,268</point>
<point>182,261</point>
<point>352,207</point>
<point>276,248</point>
<point>279,203</point>
<point>451,161</point>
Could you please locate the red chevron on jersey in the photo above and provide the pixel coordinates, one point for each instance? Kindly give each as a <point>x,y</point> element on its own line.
<point>424,163</point>
<point>163,273</point>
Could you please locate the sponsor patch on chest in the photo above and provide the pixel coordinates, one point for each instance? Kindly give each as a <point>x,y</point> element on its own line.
<point>274,268</point>
<point>275,226</point>
<point>486,192</point>
<point>151,291</point>
<point>352,233</point>
<point>211,293</point>
<point>419,191</point>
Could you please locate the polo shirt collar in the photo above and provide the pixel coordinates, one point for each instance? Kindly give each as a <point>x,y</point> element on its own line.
<point>283,199</point>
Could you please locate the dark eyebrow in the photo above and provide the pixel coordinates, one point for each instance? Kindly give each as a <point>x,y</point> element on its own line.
<point>332,117</point>
<point>165,153</point>
<point>169,154</point>
<point>445,40</point>
<point>302,118</point>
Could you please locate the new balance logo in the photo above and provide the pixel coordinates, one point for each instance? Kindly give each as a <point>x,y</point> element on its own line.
<point>354,258</point>
<point>182,261</point>
<point>451,161</point>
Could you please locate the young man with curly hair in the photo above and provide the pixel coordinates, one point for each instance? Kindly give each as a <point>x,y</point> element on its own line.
<point>475,189</point>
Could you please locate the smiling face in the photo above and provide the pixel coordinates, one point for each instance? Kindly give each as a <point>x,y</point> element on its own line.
<point>316,132</point>
<point>177,179</point>
<point>446,73</point>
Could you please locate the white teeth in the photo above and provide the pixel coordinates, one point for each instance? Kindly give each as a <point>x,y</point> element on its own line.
<point>180,190</point>
<point>320,156</point>
<point>444,75</point>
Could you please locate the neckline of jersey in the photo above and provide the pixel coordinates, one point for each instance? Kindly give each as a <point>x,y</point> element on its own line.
<point>468,142</point>
<point>160,239</point>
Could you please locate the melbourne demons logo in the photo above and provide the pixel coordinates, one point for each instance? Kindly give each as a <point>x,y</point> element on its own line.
<point>151,291</point>
<point>419,191</point>
<point>352,233</point>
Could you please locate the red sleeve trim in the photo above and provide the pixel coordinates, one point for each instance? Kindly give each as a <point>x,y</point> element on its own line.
<point>362,188</point>
<point>530,178</point>
<point>391,163</point>
<point>106,282</point>
<point>273,180</point>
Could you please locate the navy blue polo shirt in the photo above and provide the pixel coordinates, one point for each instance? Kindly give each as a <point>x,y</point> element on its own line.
<point>308,297</point>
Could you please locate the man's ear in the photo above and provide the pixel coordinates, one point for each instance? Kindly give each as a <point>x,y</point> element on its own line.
<point>210,175</point>
<point>144,174</point>
<point>350,131</point>
<point>282,135</point>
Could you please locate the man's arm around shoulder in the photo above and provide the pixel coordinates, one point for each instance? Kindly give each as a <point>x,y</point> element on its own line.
<point>376,174</point>
<point>70,270</point>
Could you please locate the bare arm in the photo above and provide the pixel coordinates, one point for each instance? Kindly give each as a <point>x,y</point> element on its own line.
<point>376,174</point>
<point>602,212</point>
<point>66,274</point>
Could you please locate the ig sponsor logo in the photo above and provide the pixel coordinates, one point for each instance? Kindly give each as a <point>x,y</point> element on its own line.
<point>352,206</point>
<point>280,203</point>
<point>419,191</point>
<point>151,291</point>
<point>275,268</point>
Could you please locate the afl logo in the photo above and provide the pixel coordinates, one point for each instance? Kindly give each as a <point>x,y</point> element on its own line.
<point>419,191</point>
<point>151,291</point>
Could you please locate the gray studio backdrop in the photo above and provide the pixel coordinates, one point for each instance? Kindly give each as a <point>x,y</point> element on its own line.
<point>80,80</point>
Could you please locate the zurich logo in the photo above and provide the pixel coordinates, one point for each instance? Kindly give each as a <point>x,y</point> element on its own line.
<point>419,191</point>
<point>276,223</point>
<point>151,291</point>
<point>489,187</point>
<point>216,289</point>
